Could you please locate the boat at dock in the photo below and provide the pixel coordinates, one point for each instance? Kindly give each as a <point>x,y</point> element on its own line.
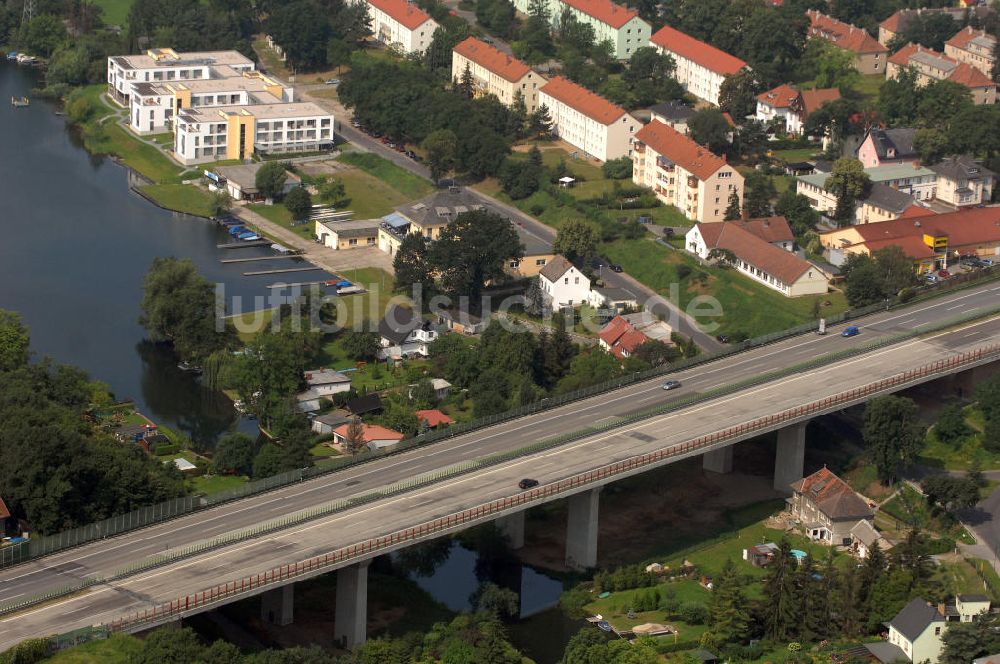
<point>184,366</point>
<point>17,102</point>
<point>12,55</point>
<point>25,59</point>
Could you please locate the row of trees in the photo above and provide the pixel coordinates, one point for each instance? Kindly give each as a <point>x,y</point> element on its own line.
<point>57,471</point>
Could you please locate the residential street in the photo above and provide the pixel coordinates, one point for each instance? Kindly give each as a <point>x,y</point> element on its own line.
<point>659,305</point>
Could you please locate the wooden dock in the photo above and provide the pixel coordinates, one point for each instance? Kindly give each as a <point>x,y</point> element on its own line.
<point>297,284</point>
<point>241,245</point>
<point>259,258</point>
<point>287,269</point>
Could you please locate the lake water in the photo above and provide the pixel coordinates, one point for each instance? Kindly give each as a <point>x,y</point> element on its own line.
<point>75,243</point>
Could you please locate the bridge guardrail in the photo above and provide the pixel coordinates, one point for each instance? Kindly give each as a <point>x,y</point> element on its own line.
<point>476,464</point>
<point>488,511</point>
<point>160,512</point>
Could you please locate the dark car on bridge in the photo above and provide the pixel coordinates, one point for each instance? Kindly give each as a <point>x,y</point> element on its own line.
<point>527,483</point>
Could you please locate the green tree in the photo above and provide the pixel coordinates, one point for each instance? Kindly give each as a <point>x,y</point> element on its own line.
<point>964,642</point>
<point>798,211</point>
<point>951,426</point>
<point>849,183</point>
<point>540,122</point>
<point>441,147</point>
<point>898,97</point>
<point>298,202</point>
<point>178,306</point>
<point>170,645</point>
<point>472,250</point>
<point>617,169</point>
<point>14,341</point>
<point>270,179</point>
<point>781,606</point>
<point>730,620</point>
<point>733,207</point>
<point>234,453</point>
<point>466,85</point>
<point>709,127</point>
<point>496,601</point>
<point>577,240</point>
<point>303,30</point>
<point>758,192</point>
<point>738,94</point>
<point>410,263</point>
<point>834,66</point>
<point>423,395</point>
<point>892,434</point>
<point>941,101</point>
<point>932,144</point>
<point>269,461</point>
<point>334,192</point>
<point>43,35</point>
<point>362,345</point>
<point>946,494</point>
<point>221,203</point>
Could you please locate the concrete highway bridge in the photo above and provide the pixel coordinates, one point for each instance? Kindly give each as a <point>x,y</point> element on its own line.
<point>240,549</point>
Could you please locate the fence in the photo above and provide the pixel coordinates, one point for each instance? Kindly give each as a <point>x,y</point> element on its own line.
<point>343,556</point>
<point>152,514</point>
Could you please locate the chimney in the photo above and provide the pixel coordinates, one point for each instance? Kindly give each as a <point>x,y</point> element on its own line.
<point>940,608</point>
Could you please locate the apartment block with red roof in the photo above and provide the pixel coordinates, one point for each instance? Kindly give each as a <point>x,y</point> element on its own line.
<point>869,54</point>
<point>903,19</point>
<point>496,73</point>
<point>973,47</point>
<point>682,173</point>
<point>612,22</point>
<point>586,120</point>
<point>761,249</point>
<point>932,241</point>
<point>933,66</point>
<point>401,25</point>
<point>793,106</point>
<point>701,68</point>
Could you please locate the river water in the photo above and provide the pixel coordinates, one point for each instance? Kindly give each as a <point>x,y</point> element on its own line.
<point>75,243</point>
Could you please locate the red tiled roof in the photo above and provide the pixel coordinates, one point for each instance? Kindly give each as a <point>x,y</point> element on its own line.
<point>628,343</point>
<point>769,229</point>
<point>967,75</point>
<point>892,23</point>
<point>843,35</point>
<point>903,55</point>
<point>613,331</point>
<point>813,99</point>
<point>371,432</point>
<point>783,96</point>
<point>965,35</point>
<point>592,105</point>
<point>781,264</point>
<point>406,13</point>
<point>621,337</point>
<point>680,149</point>
<point>493,59</point>
<point>604,11</point>
<point>833,496</point>
<point>4,512</point>
<point>433,417</point>
<point>696,51</point>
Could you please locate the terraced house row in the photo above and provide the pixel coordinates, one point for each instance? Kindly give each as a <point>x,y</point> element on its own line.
<point>217,105</point>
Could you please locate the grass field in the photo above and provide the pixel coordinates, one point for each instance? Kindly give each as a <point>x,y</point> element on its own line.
<point>182,198</point>
<point>961,455</point>
<point>373,196</point>
<point>216,483</point>
<point>400,179</point>
<point>746,306</point>
<point>115,12</point>
<point>280,215</point>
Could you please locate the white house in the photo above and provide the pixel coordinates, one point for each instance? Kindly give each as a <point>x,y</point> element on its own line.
<point>611,22</point>
<point>404,333</point>
<point>761,249</point>
<point>701,68</point>
<point>586,120</point>
<point>916,631</point>
<point>563,283</point>
<point>401,25</point>
<point>163,65</point>
<point>321,384</point>
<point>791,105</point>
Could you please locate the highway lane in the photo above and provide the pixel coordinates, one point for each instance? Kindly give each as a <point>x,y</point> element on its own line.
<point>102,558</point>
<point>107,602</point>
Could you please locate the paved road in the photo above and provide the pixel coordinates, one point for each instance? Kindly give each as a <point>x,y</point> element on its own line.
<point>103,558</point>
<point>669,311</point>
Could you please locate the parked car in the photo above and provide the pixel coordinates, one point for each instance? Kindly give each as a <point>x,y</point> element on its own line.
<point>615,267</point>
<point>987,262</point>
<point>333,81</point>
<point>668,231</point>
<point>671,384</point>
<point>527,483</point>
<point>722,338</point>
<point>932,278</point>
<point>850,331</point>
<point>944,274</point>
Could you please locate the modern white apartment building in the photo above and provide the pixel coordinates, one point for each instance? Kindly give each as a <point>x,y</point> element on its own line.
<point>683,174</point>
<point>496,73</point>
<point>611,22</point>
<point>209,133</point>
<point>587,120</point>
<point>401,25</point>
<point>163,65</point>
<point>154,105</point>
<point>701,68</point>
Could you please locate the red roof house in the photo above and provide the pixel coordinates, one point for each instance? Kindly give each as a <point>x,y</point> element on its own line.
<point>433,417</point>
<point>621,338</point>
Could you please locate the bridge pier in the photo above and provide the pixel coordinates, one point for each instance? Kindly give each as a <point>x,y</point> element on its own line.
<point>512,526</point>
<point>718,461</point>
<point>789,458</point>
<point>581,530</point>
<point>277,606</point>
<point>351,620</point>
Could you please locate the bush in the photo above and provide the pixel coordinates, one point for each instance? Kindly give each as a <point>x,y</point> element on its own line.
<point>26,652</point>
<point>693,613</point>
<point>935,547</point>
<point>299,203</point>
<point>163,449</point>
<point>617,169</point>
<point>665,646</point>
<point>683,271</point>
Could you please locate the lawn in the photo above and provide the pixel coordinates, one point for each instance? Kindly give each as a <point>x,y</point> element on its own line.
<point>869,86</point>
<point>747,307</point>
<point>796,154</point>
<point>208,485</point>
<point>323,450</point>
<point>372,196</point>
<point>115,12</point>
<point>400,179</point>
<point>182,198</point>
<point>961,455</point>
<point>116,649</point>
<point>280,215</point>
<point>909,507</point>
<point>112,138</point>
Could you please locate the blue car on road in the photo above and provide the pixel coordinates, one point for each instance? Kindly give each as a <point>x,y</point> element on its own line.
<point>850,331</point>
